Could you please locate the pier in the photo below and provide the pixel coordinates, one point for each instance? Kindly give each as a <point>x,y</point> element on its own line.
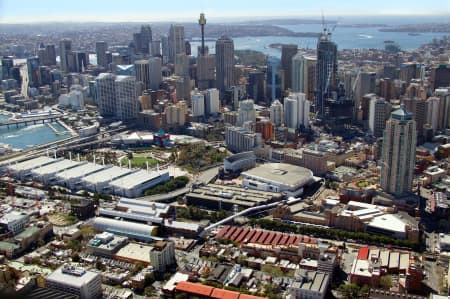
<point>30,121</point>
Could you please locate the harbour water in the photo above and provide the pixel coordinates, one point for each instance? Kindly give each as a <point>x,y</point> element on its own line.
<point>32,135</point>
<point>345,37</point>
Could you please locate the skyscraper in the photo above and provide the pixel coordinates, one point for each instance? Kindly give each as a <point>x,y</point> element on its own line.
<point>155,72</point>
<point>146,39</point>
<point>255,88</point>
<point>100,48</point>
<point>126,98</point>
<point>50,55</point>
<point>34,74</point>
<point>326,71</point>
<point>142,70</point>
<point>7,66</point>
<point>276,113</point>
<point>378,112</point>
<point>398,153</point>
<point>247,112</point>
<point>176,41</point>
<point>296,111</point>
<point>287,52</point>
<point>212,102</point>
<point>304,74</point>
<point>65,46</point>
<point>224,63</point>
<point>198,105</point>
<point>182,65</point>
<point>105,94</point>
<point>205,71</point>
<point>275,79</point>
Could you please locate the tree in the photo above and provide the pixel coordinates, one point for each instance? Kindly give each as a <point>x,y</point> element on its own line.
<point>352,291</point>
<point>149,291</point>
<point>76,257</point>
<point>99,266</point>
<point>386,282</point>
<point>149,279</point>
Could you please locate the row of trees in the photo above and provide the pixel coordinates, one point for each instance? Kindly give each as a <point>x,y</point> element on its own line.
<point>336,234</point>
<point>194,213</point>
<point>172,185</point>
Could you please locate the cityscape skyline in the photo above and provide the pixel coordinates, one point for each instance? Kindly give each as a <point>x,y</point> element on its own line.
<point>140,11</point>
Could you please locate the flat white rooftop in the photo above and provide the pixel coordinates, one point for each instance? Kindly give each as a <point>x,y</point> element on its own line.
<point>134,179</point>
<point>31,164</point>
<point>388,222</point>
<point>108,174</point>
<point>79,171</point>
<point>55,167</point>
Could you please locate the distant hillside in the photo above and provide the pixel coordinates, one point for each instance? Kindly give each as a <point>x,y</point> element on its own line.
<point>250,57</point>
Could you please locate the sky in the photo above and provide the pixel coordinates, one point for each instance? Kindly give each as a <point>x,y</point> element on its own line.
<point>26,11</point>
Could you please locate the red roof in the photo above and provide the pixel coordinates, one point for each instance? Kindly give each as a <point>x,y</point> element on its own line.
<point>249,236</point>
<point>230,232</point>
<point>284,239</point>
<point>262,237</point>
<point>236,233</point>
<point>222,232</point>
<point>277,239</point>
<point>298,239</point>
<point>269,238</point>
<point>291,239</point>
<point>256,236</point>
<point>363,253</point>
<point>245,296</point>
<point>194,288</point>
<point>306,239</point>
<point>242,235</point>
<point>224,294</point>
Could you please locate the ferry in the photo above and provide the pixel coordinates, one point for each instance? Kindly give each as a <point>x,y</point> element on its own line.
<point>36,113</point>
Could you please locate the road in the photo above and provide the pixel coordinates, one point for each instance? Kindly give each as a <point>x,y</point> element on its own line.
<point>204,178</point>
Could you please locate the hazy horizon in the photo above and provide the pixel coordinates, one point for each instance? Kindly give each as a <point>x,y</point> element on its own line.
<point>104,11</point>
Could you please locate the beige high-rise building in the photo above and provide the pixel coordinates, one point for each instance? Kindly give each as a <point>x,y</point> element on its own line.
<point>303,74</point>
<point>176,114</point>
<point>398,153</point>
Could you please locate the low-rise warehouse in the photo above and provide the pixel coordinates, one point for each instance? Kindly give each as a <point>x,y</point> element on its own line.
<point>47,173</point>
<point>131,230</point>
<point>219,197</point>
<point>134,184</point>
<point>99,181</point>
<point>72,178</point>
<point>23,169</point>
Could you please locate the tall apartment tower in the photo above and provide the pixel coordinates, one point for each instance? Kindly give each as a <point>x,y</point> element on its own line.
<point>106,94</point>
<point>247,112</point>
<point>176,41</point>
<point>146,39</point>
<point>326,72</point>
<point>155,72</point>
<point>296,111</point>
<point>65,46</point>
<point>126,98</point>
<point>276,113</point>
<point>378,112</point>
<point>398,153</point>
<point>304,74</point>
<point>198,105</point>
<point>287,52</point>
<point>212,102</point>
<point>142,70</point>
<point>224,63</point>
<point>101,48</point>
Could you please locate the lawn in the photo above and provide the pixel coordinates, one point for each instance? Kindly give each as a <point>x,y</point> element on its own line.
<point>140,162</point>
